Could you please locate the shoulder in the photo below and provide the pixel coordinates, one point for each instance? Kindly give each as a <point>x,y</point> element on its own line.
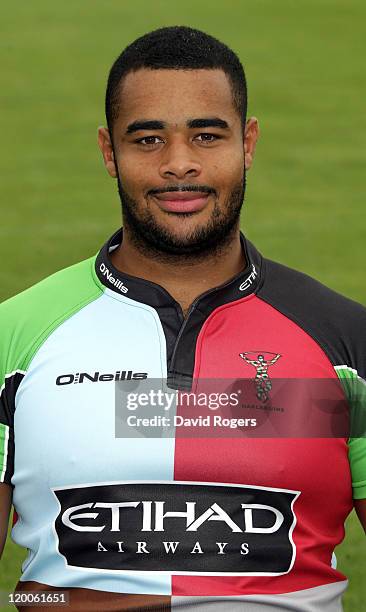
<point>32,314</point>
<point>337,322</point>
<point>293,286</point>
<point>62,289</point>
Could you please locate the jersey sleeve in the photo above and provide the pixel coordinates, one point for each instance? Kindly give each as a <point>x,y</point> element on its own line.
<point>6,433</point>
<point>357,443</point>
<point>354,386</point>
<point>355,390</point>
<point>11,375</point>
<point>357,456</point>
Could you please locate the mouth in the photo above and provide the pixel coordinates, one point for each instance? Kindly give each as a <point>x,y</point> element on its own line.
<point>182,202</point>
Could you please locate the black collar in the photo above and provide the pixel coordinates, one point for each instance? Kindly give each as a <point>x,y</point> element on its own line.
<point>147,292</point>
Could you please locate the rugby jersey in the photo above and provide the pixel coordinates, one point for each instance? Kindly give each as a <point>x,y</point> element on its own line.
<point>238,515</point>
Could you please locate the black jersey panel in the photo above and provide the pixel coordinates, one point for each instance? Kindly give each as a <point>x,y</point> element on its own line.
<point>7,409</point>
<point>336,323</point>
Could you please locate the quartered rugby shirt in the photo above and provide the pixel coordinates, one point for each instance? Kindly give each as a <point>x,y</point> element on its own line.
<point>114,514</point>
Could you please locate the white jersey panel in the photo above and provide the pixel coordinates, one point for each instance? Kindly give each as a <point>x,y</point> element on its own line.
<point>65,433</point>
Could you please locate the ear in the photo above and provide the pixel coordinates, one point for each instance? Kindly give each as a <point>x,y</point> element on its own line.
<point>251,135</point>
<point>105,145</point>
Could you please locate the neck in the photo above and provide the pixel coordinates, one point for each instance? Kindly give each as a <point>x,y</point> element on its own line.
<point>184,278</point>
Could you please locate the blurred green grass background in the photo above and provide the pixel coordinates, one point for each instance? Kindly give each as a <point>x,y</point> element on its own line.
<point>305,66</point>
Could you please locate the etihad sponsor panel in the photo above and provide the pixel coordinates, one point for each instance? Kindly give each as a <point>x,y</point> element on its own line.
<point>181,527</point>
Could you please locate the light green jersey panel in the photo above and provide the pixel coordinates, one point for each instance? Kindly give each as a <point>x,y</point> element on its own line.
<point>26,321</point>
<point>28,318</point>
<point>355,388</point>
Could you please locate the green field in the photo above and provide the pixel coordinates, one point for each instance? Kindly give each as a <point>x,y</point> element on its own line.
<point>305,66</point>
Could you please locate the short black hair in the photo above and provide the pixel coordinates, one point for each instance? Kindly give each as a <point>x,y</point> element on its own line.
<point>179,48</point>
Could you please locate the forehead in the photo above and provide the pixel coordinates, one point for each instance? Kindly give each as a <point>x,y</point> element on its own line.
<point>174,95</point>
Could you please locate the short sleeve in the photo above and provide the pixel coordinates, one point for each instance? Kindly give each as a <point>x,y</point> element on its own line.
<point>6,434</point>
<point>7,408</point>
<point>357,458</point>
<point>357,441</point>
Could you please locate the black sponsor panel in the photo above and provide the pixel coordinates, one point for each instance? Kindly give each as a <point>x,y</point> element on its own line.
<point>178,527</point>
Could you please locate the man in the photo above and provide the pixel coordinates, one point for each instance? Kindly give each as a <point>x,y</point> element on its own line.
<point>142,522</point>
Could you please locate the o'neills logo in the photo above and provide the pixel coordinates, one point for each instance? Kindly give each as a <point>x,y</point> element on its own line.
<point>81,377</point>
<point>116,282</point>
<point>184,527</point>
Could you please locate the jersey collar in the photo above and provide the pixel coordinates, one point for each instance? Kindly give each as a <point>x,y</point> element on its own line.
<point>147,292</point>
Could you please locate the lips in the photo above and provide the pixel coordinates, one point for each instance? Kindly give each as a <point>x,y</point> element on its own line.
<point>182,201</point>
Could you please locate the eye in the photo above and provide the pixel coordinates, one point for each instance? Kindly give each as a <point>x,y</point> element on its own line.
<point>147,141</point>
<point>208,138</point>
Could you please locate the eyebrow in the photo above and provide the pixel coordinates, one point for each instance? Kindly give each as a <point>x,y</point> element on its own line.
<point>145,125</point>
<point>208,122</point>
<point>155,124</point>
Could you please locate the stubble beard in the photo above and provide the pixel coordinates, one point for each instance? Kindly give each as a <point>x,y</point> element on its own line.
<point>157,242</point>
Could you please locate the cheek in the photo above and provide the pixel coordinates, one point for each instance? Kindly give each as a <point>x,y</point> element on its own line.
<point>230,161</point>
<point>228,172</point>
<point>134,177</point>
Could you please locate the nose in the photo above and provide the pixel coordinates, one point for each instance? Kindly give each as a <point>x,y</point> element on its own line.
<point>179,161</point>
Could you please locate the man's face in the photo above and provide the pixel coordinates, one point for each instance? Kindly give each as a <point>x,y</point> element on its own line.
<point>178,135</point>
